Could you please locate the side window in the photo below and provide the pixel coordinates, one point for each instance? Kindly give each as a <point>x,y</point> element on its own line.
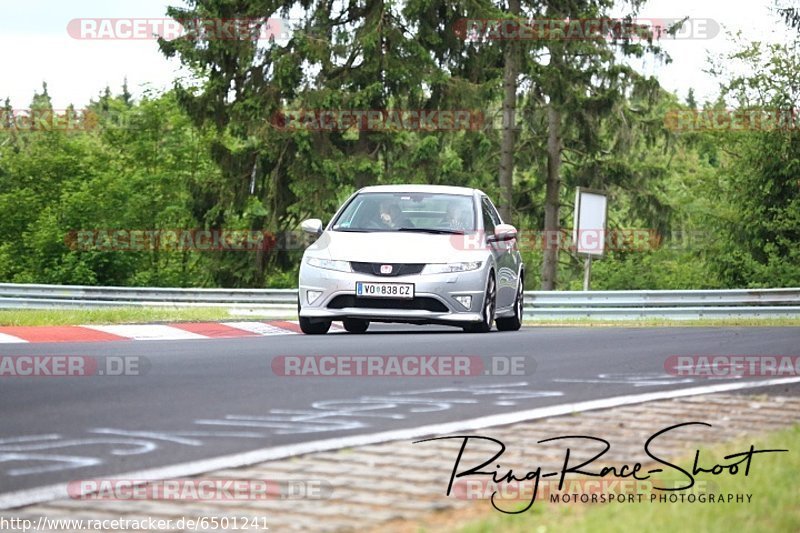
<point>490,218</point>
<point>495,214</point>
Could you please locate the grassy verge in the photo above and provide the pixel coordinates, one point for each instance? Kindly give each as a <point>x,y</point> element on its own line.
<point>117,315</point>
<point>773,507</point>
<point>134,315</point>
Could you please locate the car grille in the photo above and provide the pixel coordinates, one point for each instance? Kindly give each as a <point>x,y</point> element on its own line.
<point>422,303</point>
<point>398,269</point>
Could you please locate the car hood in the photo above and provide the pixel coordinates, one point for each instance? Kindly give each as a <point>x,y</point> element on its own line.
<point>393,247</point>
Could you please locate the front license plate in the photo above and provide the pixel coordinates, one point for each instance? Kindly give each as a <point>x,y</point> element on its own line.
<point>385,290</point>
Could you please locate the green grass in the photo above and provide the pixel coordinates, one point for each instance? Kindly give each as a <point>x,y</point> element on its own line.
<point>775,503</point>
<point>116,315</point>
<point>139,315</point>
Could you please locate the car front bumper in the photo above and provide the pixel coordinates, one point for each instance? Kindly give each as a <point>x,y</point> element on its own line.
<point>440,287</point>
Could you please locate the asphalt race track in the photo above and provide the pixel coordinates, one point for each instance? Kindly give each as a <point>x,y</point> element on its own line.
<point>203,399</point>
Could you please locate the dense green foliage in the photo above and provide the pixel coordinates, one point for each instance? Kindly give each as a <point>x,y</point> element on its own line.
<point>208,153</point>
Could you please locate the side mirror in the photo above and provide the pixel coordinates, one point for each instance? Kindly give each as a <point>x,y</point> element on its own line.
<point>312,226</point>
<point>505,232</point>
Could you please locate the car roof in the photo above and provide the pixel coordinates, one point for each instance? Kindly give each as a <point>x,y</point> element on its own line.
<point>441,189</point>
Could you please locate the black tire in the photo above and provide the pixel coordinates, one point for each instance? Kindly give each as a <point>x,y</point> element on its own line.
<point>487,313</point>
<point>314,328</point>
<point>355,325</point>
<point>513,323</point>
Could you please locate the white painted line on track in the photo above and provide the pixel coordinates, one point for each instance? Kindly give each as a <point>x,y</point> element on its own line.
<point>10,339</point>
<point>147,332</point>
<point>259,327</point>
<point>59,491</point>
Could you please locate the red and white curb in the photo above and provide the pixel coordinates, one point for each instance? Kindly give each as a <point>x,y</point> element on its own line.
<point>146,332</point>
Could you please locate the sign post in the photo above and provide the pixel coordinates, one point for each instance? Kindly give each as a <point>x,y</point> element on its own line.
<point>589,231</point>
<point>587,272</point>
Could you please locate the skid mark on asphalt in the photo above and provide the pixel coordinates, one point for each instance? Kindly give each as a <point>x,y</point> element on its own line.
<point>345,414</point>
<point>26,448</point>
<point>321,416</point>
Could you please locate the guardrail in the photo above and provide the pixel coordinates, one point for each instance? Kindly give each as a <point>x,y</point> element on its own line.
<point>24,296</point>
<point>609,305</point>
<point>683,304</point>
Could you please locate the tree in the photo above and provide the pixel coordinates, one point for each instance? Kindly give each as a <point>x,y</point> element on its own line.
<point>758,215</point>
<point>581,82</point>
<point>243,80</point>
<point>791,15</point>
<point>691,103</point>
<point>510,74</point>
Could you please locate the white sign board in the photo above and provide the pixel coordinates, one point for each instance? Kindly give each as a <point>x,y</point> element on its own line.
<point>589,232</point>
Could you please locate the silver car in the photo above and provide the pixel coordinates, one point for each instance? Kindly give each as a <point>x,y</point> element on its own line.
<point>420,254</point>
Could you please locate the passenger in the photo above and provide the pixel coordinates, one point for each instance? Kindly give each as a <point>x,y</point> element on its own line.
<point>454,218</point>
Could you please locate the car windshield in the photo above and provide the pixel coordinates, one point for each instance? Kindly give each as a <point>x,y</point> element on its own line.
<point>406,211</point>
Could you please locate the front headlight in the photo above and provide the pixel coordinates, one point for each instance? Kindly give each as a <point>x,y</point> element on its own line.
<point>329,264</point>
<point>445,268</point>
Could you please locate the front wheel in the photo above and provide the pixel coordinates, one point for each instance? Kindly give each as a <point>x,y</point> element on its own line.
<point>513,323</point>
<point>487,313</point>
<point>355,325</point>
<point>314,328</point>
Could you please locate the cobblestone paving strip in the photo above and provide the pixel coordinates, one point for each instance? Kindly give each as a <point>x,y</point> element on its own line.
<point>397,486</point>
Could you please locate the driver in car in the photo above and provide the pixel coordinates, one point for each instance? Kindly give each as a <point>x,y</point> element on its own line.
<point>393,216</point>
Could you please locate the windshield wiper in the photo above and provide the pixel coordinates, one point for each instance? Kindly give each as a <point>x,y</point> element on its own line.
<point>434,231</point>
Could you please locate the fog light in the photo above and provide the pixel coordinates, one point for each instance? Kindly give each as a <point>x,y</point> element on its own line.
<point>466,301</point>
<point>311,296</point>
